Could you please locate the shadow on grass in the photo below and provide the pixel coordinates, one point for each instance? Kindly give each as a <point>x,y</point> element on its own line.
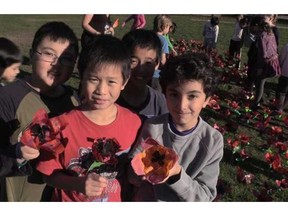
<point>252,165</point>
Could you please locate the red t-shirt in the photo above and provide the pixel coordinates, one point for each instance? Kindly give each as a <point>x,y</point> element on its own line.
<point>124,129</point>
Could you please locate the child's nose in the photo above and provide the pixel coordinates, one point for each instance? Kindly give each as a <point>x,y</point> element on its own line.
<point>101,88</point>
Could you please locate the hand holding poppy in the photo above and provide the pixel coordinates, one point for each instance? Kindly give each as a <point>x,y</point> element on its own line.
<point>156,162</point>
<point>28,153</point>
<point>95,185</point>
<point>44,133</point>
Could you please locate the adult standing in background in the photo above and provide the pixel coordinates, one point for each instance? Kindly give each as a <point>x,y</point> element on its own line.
<point>139,21</point>
<point>95,24</point>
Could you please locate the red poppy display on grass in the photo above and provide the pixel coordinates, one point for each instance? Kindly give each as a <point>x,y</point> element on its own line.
<point>44,133</point>
<point>154,162</point>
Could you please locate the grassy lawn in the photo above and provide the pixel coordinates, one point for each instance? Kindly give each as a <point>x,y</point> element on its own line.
<point>254,167</point>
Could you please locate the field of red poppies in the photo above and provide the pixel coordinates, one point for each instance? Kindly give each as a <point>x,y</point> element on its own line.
<point>255,163</point>
<point>254,167</point>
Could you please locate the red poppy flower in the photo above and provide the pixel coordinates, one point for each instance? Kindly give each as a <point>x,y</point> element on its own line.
<point>44,133</point>
<point>104,150</point>
<point>283,183</point>
<point>154,162</point>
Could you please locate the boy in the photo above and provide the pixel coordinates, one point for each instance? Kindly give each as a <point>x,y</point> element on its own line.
<point>53,55</point>
<point>105,69</point>
<point>187,85</point>
<point>145,49</point>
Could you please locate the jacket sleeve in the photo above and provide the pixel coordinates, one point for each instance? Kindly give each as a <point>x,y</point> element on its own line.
<point>10,167</point>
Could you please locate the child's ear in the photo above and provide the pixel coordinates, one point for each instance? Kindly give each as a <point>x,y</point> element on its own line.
<point>125,83</point>
<point>157,65</point>
<point>207,100</point>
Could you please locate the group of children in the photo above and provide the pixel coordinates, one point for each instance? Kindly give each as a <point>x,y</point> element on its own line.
<point>260,34</point>
<point>114,101</point>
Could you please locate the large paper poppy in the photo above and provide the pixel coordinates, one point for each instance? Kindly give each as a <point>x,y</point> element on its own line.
<point>154,162</point>
<point>44,133</point>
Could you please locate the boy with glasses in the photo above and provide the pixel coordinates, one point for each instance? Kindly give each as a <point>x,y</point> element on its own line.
<point>53,56</point>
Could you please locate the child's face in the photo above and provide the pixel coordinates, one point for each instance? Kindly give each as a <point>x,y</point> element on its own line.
<point>52,62</point>
<point>143,65</point>
<point>11,72</point>
<point>102,87</point>
<point>185,102</point>
<point>166,30</point>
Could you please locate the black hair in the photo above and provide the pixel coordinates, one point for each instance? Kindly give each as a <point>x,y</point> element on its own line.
<point>189,66</point>
<point>214,21</point>
<point>56,31</point>
<point>9,54</point>
<point>256,20</point>
<point>104,49</point>
<point>143,39</point>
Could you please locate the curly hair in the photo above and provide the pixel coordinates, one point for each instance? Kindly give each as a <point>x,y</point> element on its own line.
<point>189,66</point>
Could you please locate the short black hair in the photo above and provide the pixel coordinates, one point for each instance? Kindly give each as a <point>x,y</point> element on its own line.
<point>56,31</point>
<point>144,39</point>
<point>9,54</point>
<point>189,66</point>
<point>214,21</point>
<point>104,49</point>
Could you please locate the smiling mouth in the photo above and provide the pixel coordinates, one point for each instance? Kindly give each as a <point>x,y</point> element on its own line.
<point>99,101</point>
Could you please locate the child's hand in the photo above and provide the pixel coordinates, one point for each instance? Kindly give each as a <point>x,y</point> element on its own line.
<point>95,184</point>
<point>173,175</point>
<point>174,52</point>
<point>135,179</point>
<point>28,153</point>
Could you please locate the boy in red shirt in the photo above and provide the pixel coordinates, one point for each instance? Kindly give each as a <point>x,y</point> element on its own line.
<point>104,68</point>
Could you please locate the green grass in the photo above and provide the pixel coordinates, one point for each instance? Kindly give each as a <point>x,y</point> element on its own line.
<point>21,29</point>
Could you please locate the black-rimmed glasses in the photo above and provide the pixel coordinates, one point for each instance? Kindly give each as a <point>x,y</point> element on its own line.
<point>51,57</point>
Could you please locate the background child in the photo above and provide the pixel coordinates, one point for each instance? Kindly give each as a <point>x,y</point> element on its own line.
<point>267,64</point>
<point>105,68</point>
<point>271,19</point>
<point>210,34</point>
<point>139,21</point>
<point>145,49</point>
<point>161,26</point>
<point>53,55</point>
<point>10,60</point>
<point>236,41</point>
<point>172,30</point>
<point>187,84</point>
